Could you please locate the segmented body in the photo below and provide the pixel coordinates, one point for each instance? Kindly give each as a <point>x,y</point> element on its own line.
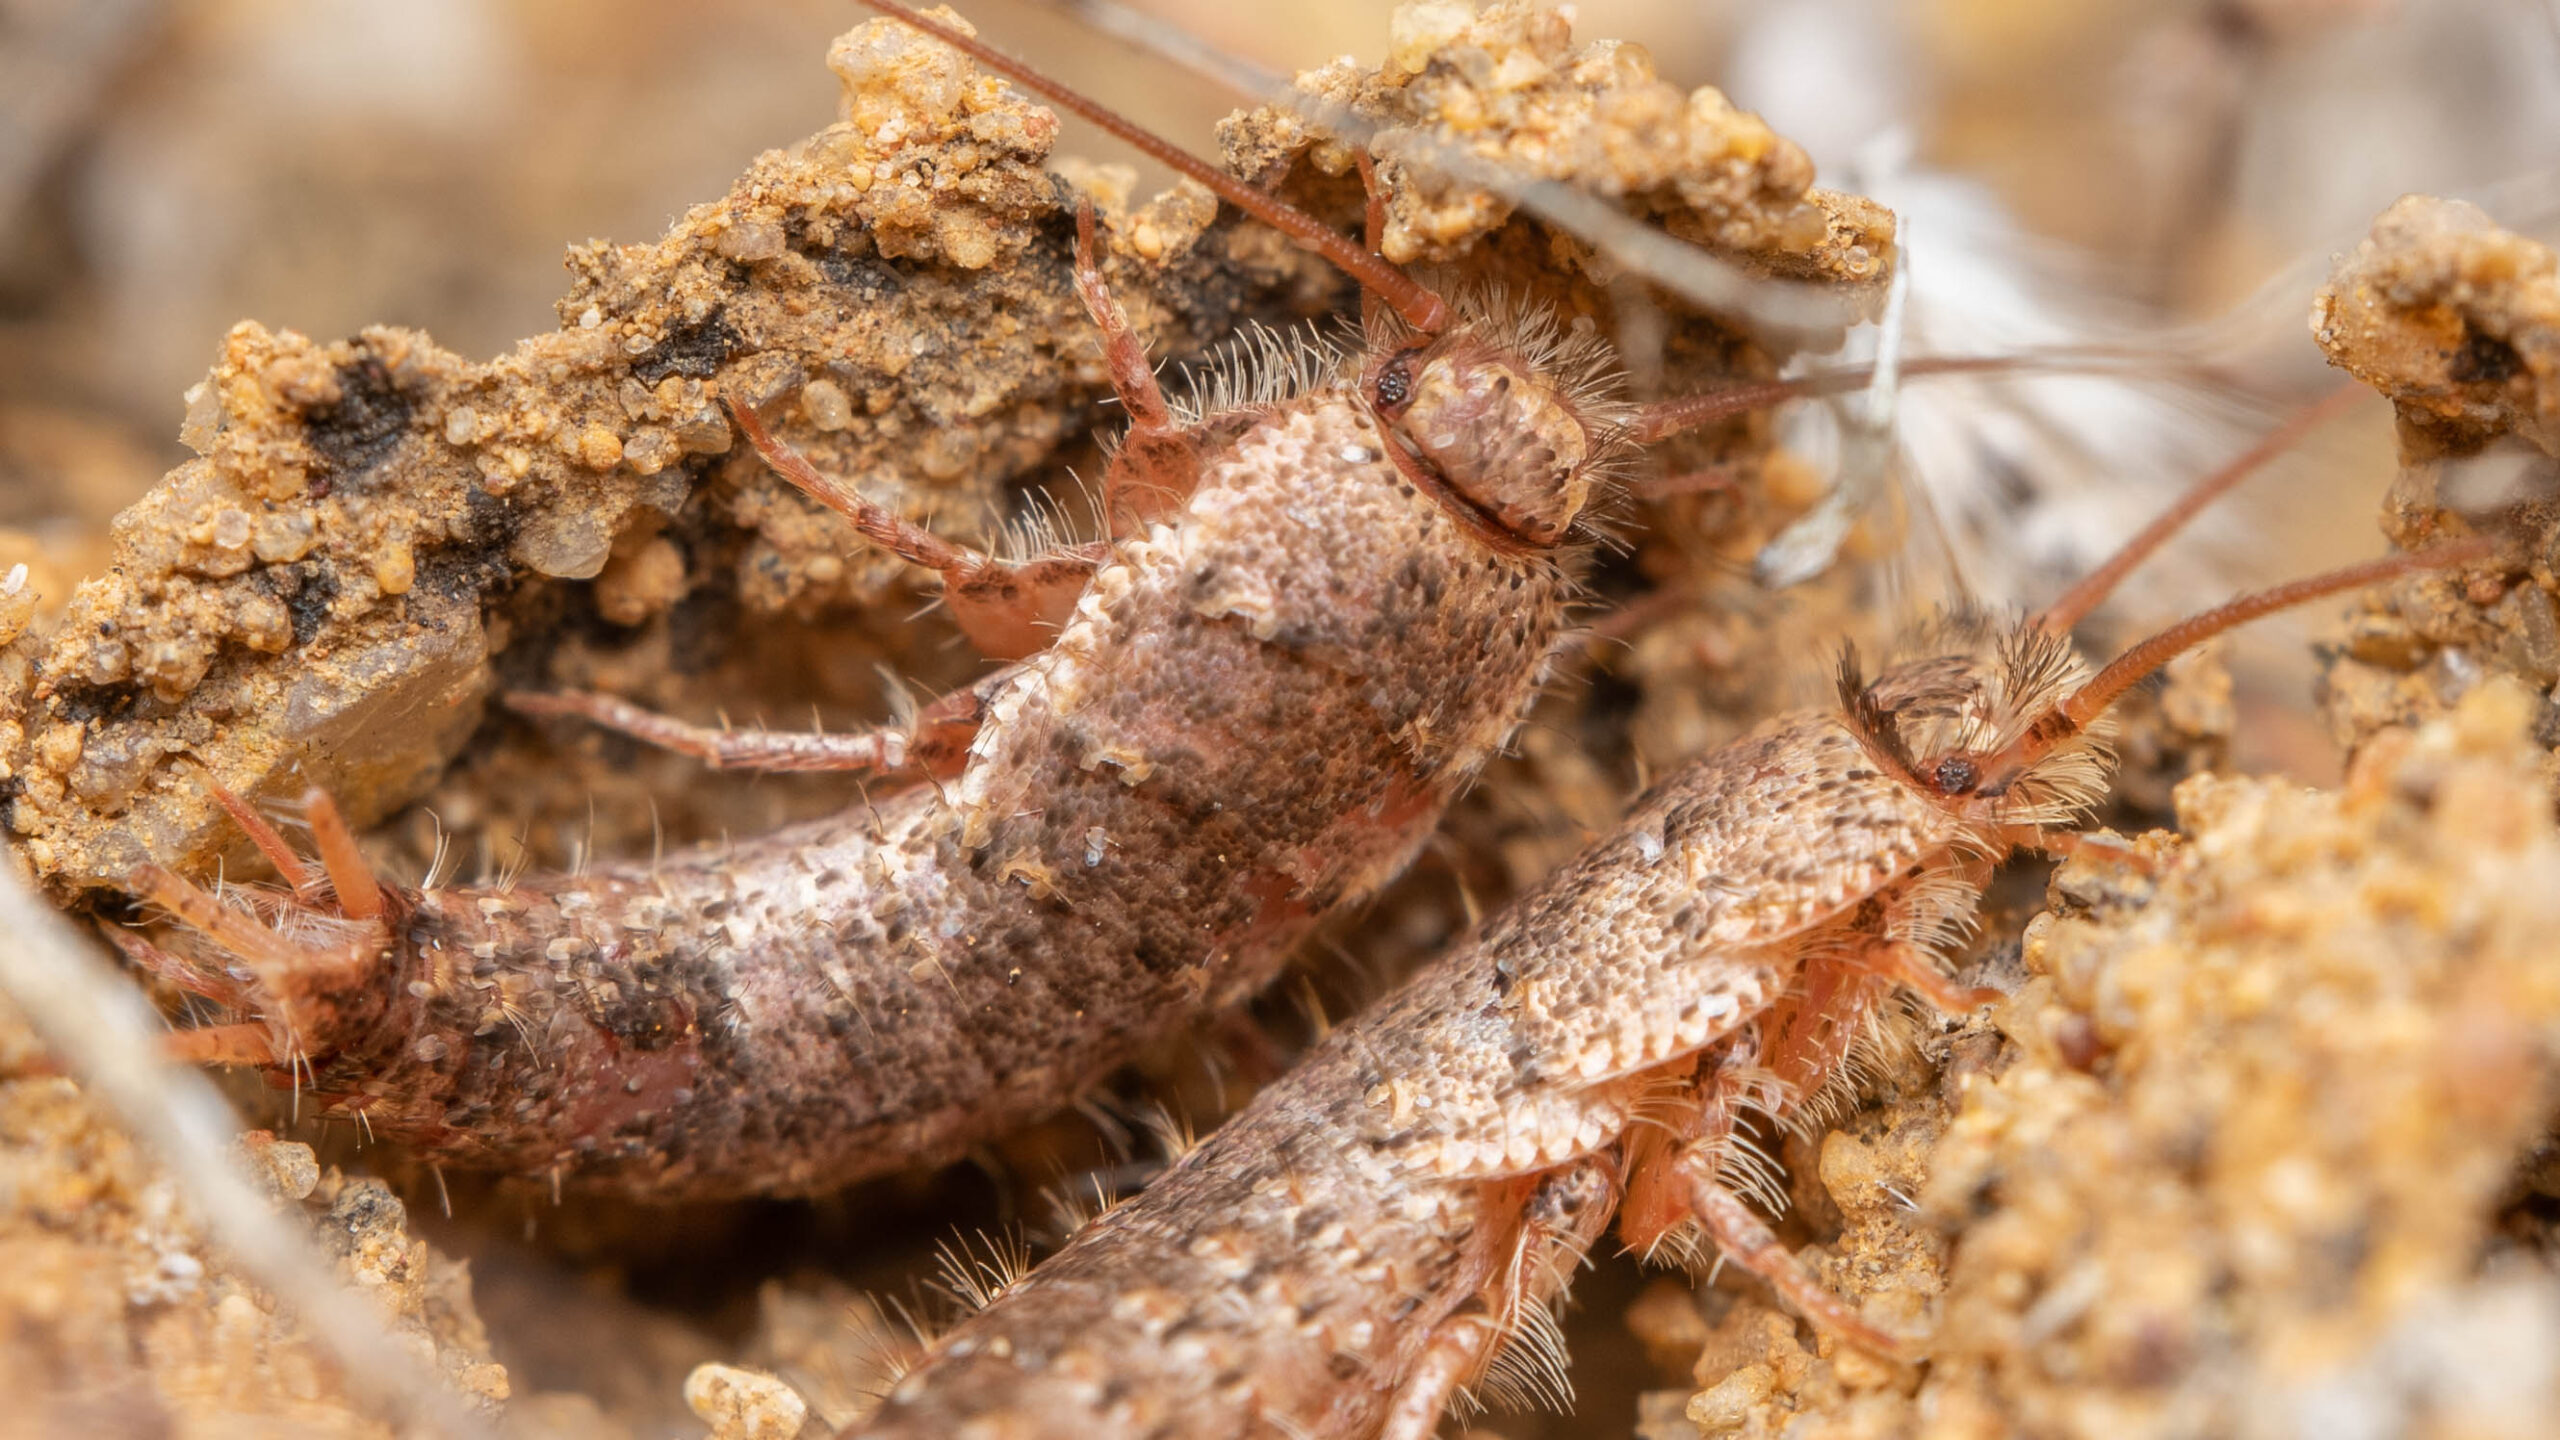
<point>1256,713</point>
<point>1351,1248</point>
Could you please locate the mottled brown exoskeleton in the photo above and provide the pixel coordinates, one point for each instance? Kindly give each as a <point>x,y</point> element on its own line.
<point>1328,593</point>
<point>1355,1249</point>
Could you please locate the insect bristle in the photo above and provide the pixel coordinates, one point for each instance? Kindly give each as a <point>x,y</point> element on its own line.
<point>1038,528</point>
<point>1876,1048</point>
<point>1743,1167</point>
<point>1939,914</point>
<point>1977,686</point>
<point>892,1335</point>
<point>511,871</point>
<point>878,1349</point>
<point>1174,1134</point>
<point>1530,1368</point>
<point>1256,366</point>
<point>1309,1003</point>
<point>1685,1247</point>
<point>977,1273</point>
<point>441,863</point>
<point>1868,716</point>
<point>1075,1204</point>
<point>1754,1090</point>
<point>514,1016</point>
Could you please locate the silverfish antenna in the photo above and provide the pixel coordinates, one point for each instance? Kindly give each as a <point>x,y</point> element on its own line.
<point>1417,305</point>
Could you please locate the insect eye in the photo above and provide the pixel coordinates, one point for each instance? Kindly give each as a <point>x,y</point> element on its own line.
<point>1394,384</point>
<point>1956,775</point>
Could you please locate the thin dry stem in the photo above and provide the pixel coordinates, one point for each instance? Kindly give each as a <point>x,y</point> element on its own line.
<point>106,1033</point>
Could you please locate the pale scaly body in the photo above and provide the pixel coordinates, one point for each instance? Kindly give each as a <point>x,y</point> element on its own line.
<point>1256,713</point>
<point>1346,1253</point>
<point>1353,1250</point>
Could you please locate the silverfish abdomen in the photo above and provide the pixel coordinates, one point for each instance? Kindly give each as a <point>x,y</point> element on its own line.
<point>1256,714</point>
<point>1283,1277</point>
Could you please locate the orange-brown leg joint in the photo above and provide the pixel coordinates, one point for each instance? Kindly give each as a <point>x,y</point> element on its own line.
<point>359,893</point>
<point>1897,961</point>
<point>288,865</point>
<point>1458,1351</point>
<point>242,1044</point>
<point>772,751</point>
<point>1156,466</point>
<point>188,976</point>
<point>1008,610</point>
<point>262,948</point>
<point>1746,1240</point>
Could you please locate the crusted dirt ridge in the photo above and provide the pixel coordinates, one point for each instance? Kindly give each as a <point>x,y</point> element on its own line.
<point>2248,1151</point>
